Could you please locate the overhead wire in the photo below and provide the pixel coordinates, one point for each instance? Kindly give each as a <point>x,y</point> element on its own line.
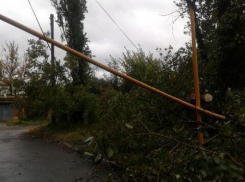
<point>38,22</point>
<point>117,25</point>
<point>101,8</point>
<point>41,28</point>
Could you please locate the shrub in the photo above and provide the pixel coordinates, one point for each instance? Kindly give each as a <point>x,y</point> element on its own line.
<point>73,105</point>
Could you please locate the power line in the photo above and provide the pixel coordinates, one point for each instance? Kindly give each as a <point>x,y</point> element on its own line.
<point>38,23</point>
<point>41,29</point>
<point>116,24</point>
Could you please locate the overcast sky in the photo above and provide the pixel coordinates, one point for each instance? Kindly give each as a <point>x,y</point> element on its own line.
<point>140,20</point>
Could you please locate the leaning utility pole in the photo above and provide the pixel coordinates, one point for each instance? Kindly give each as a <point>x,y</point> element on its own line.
<point>52,61</point>
<point>109,69</point>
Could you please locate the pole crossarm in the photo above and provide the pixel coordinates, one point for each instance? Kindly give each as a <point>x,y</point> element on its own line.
<point>109,69</point>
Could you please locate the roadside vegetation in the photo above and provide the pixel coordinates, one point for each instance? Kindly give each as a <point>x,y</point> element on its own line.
<point>143,136</point>
<point>16,122</point>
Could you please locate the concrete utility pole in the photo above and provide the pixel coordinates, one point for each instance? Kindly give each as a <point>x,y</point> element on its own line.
<point>52,62</point>
<point>52,49</point>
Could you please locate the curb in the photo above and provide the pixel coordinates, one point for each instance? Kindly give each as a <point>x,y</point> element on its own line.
<point>74,148</point>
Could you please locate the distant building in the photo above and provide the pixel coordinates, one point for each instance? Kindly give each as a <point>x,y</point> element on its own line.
<point>6,109</point>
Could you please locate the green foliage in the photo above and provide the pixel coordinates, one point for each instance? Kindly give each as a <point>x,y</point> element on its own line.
<point>231,42</point>
<point>71,15</point>
<point>141,67</point>
<point>72,105</point>
<point>35,87</point>
<point>170,69</point>
<point>37,91</point>
<point>152,139</point>
<point>12,70</point>
<point>220,27</point>
<point>147,145</point>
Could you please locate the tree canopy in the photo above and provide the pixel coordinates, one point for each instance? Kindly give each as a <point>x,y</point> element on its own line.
<point>71,15</point>
<point>220,27</point>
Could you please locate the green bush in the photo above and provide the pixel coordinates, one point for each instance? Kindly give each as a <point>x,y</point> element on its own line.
<point>74,104</point>
<point>148,143</point>
<point>150,138</point>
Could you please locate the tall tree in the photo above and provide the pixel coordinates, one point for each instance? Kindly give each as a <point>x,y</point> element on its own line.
<point>202,12</point>
<point>231,42</point>
<point>37,85</point>
<point>220,27</point>
<point>12,69</point>
<point>71,14</point>
<point>1,67</point>
<point>1,82</point>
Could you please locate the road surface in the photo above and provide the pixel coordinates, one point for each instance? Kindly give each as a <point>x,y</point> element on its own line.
<point>26,159</point>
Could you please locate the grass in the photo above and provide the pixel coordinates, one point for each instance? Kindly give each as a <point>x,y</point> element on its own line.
<point>16,122</point>
<point>74,136</point>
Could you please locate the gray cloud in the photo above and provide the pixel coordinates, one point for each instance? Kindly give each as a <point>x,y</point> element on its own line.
<point>138,18</point>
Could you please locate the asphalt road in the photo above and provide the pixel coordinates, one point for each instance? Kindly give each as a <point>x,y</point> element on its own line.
<point>26,159</point>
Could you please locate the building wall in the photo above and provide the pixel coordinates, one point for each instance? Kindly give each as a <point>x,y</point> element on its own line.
<point>6,111</point>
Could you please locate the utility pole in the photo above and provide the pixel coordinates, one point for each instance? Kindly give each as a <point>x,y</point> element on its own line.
<point>195,70</point>
<point>52,49</point>
<point>52,62</point>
